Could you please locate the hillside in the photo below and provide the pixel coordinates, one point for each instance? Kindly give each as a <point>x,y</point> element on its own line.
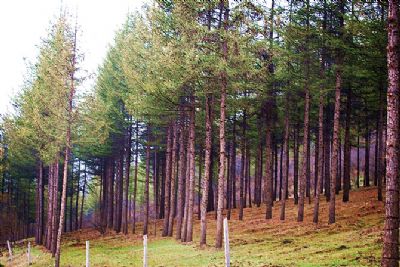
<point>355,240</point>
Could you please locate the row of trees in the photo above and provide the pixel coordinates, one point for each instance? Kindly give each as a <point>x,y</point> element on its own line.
<point>238,101</point>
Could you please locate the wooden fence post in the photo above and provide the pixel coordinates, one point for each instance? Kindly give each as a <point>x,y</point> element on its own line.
<point>29,253</point>
<point>145,251</point>
<point>9,250</point>
<point>226,241</point>
<point>87,254</point>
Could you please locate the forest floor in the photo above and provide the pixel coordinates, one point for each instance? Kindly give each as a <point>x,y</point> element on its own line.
<point>354,240</point>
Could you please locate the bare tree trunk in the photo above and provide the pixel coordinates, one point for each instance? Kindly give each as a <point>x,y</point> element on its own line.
<point>232,167</point>
<point>50,210</point>
<point>181,177</point>
<point>347,151</point>
<point>296,166</point>
<point>83,198</point>
<point>119,191</point>
<point>127,171</point>
<point>390,252</point>
<point>189,232</point>
<point>336,118</point>
<point>173,178</point>
<point>77,194</point>
<point>187,184</point>
<point>146,203</point>
<point>327,154</point>
<point>242,168</point>
<point>221,170</point>
<point>135,177</point>
<point>367,151</point>
<point>320,160</point>
<point>167,181</point>
<point>199,182</point>
<point>268,185</point>
<point>248,179</point>
<point>110,192</point>
<point>285,166</point>
<point>304,169</point>
<point>39,205</point>
<point>56,208</point>
<point>381,155</point>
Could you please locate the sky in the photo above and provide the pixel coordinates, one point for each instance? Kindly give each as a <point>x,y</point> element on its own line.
<point>23,23</point>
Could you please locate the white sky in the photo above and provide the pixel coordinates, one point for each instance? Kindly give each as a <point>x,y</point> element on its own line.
<point>24,22</point>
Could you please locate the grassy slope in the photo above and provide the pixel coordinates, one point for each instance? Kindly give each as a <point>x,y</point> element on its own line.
<point>355,240</point>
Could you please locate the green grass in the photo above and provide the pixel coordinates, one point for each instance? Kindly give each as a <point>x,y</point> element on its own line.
<point>355,240</point>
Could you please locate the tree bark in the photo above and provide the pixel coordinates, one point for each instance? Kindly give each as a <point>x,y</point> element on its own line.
<point>367,151</point>
<point>390,252</point>
<point>242,168</point>
<point>39,204</point>
<point>320,153</point>
<point>207,164</point>
<point>135,177</point>
<point>127,172</point>
<point>221,170</point>
<point>347,150</point>
<point>181,177</point>
<point>285,164</point>
<point>336,118</point>
<point>189,232</point>
<point>296,166</point>
<point>167,180</point>
<point>173,178</point>
<point>146,203</point>
<point>83,198</point>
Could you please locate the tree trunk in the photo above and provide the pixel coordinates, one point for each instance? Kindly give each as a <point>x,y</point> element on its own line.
<point>248,174</point>
<point>296,166</point>
<point>380,141</point>
<point>56,208</point>
<point>39,205</point>
<point>366,165</point>
<point>119,191</point>
<point>127,170</point>
<point>173,178</point>
<point>327,154</point>
<point>135,177</point>
<point>110,193</point>
<point>49,224</point>
<point>390,252</point>
<point>83,198</point>
<point>233,162</point>
<point>336,118</point>
<point>347,150</point>
<point>321,151</point>
<point>146,203</point>
<point>242,168</point>
<point>77,194</point>
<point>305,154</point>
<point>186,193</point>
<point>167,180</point>
<point>181,177</point>
<point>189,232</point>
<point>286,165</point>
<point>221,170</point>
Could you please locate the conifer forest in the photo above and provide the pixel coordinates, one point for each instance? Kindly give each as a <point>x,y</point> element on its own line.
<point>281,116</point>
